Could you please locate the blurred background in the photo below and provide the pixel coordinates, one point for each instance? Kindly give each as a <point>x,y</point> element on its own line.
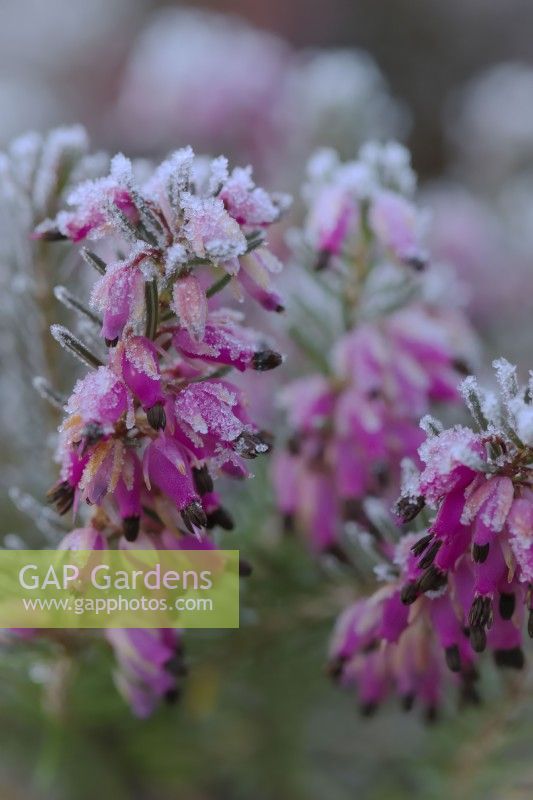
<point>266,82</point>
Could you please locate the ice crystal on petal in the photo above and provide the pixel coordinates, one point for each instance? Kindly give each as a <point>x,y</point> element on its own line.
<point>210,230</point>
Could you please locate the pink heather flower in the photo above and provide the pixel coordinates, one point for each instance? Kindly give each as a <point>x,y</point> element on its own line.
<point>83,539</point>
<point>225,341</point>
<point>380,647</point>
<point>248,204</point>
<point>479,485</point>
<point>396,223</point>
<point>347,201</point>
<point>402,349</point>
<point>119,296</point>
<point>92,219</point>
<point>139,361</point>
<point>149,663</point>
<point>190,305</point>
<point>152,425</point>
<point>166,466</point>
<point>100,398</point>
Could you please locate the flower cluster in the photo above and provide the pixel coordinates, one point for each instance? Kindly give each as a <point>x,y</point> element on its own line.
<point>155,420</point>
<point>400,352</point>
<point>464,584</point>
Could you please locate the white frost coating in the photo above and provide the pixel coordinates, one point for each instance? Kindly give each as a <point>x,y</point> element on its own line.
<point>431,425</point>
<point>507,380</point>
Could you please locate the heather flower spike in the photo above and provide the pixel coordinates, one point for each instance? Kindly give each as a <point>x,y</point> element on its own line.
<point>152,424</point>
<point>463,585</point>
<point>401,350</point>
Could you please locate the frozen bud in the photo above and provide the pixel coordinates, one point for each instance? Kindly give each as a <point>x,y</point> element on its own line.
<point>119,297</point>
<point>190,305</point>
<point>100,398</point>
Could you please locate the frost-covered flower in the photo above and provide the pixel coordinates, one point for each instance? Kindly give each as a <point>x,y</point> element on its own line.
<point>402,349</point>
<point>155,420</point>
<point>481,537</point>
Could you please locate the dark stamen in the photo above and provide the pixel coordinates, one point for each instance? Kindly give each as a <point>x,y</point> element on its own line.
<point>507,605</point>
<point>480,552</point>
<point>409,593</point>
<point>130,528</point>
<point>418,548</point>
<point>408,507</point>
<point>429,556</point>
<point>156,417</point>
<point>266,359</point>
<point>512,658</point>
<point>202,479</point>
<point>193,516</point>
<point>453,658</point>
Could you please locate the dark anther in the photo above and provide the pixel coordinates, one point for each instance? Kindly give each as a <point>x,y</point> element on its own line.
<point>172,696</point>
<point>156,417</point>
<point>429,556</point>
<point>431,580</point>
<point>288,523</point>
<point>507,605</point>
<point>130,527</point>
<point>193,516</point>
<point>334,668</point>
<point>322,260</point>
<point>266,359</point>
<point>453,658</point>
<point>202,479</point>
<point>480,552</point>
<point>61,496</point>
<point>52,235</point>
<point>407,701</point>
<point>480,615</point>
<point>245,568</point>
<point>530,624</point>
<point>418,263</point>
<point>478,639</point>
<point>461,366</point>
<point>409,593</point>
<point>220,517</point>
<point>513,658</point>
<point>368,709</point>
<point>92,433</point>
<point>469,695</point>
<point>418,548</point>
<point>251,445</point>
<point>112,342</point>
<point>337,552</point>
<point>409,507</point>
